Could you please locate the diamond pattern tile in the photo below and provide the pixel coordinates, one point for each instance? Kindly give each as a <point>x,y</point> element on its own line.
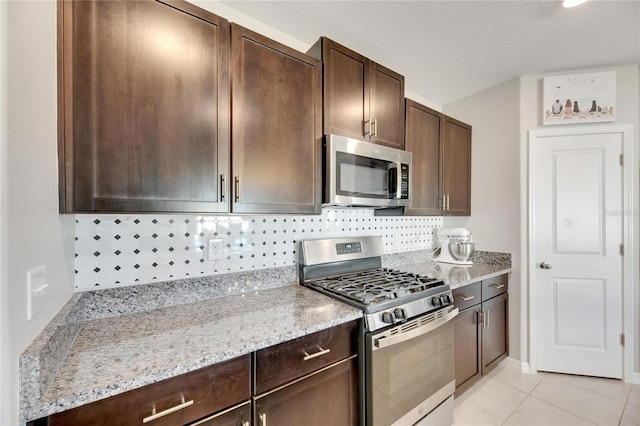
<point>113,251</point>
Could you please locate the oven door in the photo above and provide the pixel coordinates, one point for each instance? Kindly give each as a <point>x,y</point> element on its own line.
<point>410,369</point>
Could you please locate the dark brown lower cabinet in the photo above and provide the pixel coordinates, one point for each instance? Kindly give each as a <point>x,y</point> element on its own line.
<point>481,329</point>
<point>467,346</point>
<point>327,397</point>
<point>239,415</point>
<point>175,401</point>
<point>495,335</point>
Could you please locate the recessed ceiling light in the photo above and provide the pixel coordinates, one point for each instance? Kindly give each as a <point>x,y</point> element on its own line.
<point>572,3</point>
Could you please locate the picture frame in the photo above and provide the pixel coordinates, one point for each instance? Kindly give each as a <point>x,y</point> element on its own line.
<point>579,98</point>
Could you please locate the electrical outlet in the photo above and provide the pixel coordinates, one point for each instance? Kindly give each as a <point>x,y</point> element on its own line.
<point>214,249</point>
<point>36,290</point>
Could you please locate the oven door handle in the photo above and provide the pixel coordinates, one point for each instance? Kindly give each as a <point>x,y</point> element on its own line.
<point>384,342</point>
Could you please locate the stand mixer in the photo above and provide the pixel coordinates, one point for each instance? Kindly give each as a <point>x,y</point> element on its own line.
<point>455,246</point>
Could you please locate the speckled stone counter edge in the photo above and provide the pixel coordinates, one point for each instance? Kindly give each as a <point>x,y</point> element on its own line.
<point>40,361</point>
<point>396,260</point>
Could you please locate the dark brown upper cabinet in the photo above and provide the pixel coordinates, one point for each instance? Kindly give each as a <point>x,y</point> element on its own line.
<point>146,123</point>
<point>456,167</point>
<point>277,126</point>
<point>422,139</point>
<point>143,107</point>
<point>441,177</point>
<point>362,99</point>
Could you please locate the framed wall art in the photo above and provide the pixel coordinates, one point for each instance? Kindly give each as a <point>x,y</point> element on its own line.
<point>579,98</point>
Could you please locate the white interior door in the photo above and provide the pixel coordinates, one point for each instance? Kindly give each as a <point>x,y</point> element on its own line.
<point>577,231</point>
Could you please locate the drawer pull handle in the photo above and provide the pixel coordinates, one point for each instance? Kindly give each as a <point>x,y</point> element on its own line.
<point>263,419</point>
<point>497,286</point>
<point>465,298</point>
<point>321,352</point>
<point>179,407</point>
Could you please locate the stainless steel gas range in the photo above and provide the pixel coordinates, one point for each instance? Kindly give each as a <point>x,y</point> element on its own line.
<point>406,338</point>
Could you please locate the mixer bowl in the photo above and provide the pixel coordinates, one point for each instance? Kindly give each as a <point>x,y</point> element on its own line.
<point>461,251</point>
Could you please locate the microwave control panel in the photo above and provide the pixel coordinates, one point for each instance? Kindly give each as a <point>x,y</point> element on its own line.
<point>404,181</point>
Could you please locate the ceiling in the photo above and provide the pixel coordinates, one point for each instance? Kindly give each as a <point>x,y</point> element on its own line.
<point>448,50</point>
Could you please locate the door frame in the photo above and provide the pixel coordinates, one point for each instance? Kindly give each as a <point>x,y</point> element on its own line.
<point>629,266</point>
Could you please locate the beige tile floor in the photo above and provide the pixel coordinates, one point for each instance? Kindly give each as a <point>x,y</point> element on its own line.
<point>508,397</point>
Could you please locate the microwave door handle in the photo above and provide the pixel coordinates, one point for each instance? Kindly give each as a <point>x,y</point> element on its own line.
<point>398,180</point>
<point>403,337</point>
<point>395,179</point>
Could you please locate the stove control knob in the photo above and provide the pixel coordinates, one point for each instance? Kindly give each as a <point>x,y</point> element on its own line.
<point>387,317</point>
<point>446,300</point>
<point>436,301</point>
<point>400,313</point>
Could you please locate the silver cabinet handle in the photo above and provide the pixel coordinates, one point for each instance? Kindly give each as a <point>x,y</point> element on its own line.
<point>445,202</point>
<point>179,407</point>
<point>497,286</point>
<point>245,423</point>
<point>487,319</point>
<point>448,202</point>
<point>223,181</point>
<point>465,298</point>
<point>237,189</point>
<point>545,265</point>
<point>263,419</point>
<point>481,319</point>
<point>374,127</point>
<point>364,127</point>
<point>321,352</point>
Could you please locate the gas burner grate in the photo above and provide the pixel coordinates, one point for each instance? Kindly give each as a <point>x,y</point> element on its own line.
<point>377,285</point>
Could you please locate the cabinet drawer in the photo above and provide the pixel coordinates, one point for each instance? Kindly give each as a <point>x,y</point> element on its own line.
<point>287,361</point>
<point>494,286</point>
<point>469,295</point>
<point>211,389</point>
<point>326,398</point>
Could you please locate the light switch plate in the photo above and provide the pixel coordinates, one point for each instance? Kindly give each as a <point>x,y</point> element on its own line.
<point>36,290</point>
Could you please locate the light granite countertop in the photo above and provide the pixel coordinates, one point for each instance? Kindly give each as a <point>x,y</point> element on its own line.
<point>486,265</point>
<point>106,342</point>
<point>111,355</point>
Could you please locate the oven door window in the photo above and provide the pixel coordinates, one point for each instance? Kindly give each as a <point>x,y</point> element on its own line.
<point>405,375</point>
<point>358,176</point>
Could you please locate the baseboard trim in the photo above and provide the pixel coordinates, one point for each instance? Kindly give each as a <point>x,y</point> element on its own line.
<point>521,366</point>
<point>635,378</point>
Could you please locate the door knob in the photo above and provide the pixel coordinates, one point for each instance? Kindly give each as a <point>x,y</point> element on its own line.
<point>545,265</point>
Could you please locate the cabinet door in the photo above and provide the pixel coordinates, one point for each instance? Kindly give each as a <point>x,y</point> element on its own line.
<point>386,102</point>
<point>467,345</point>
<point>495,331</point>
<point>422,138</point>
<point>144,101</point>
<point>456,167</point>
<point>276,132</point>
<point>346,94</point>
<point>328,397</point>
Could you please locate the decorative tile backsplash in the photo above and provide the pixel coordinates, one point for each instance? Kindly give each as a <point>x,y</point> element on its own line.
<point>114,250</point>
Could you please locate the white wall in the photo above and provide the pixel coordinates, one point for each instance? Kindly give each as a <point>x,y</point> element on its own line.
<point>495,190</point>
<point>628,112</point>
<point>501,118</point>
<point>32,231</point>
<point>4,323</point>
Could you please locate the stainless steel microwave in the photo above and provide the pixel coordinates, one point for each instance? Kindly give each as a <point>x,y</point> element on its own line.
<point>359,173</point>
